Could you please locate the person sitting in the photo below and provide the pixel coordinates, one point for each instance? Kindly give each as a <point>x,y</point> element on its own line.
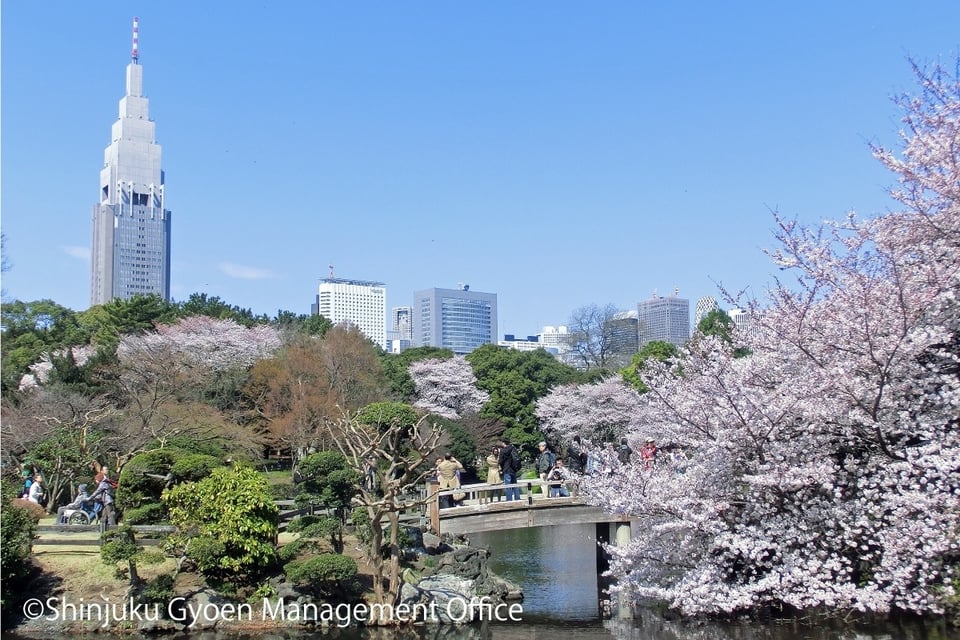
<point>83,496</point>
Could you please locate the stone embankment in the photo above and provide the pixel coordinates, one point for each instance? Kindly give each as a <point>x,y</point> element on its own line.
<point>460,587</point>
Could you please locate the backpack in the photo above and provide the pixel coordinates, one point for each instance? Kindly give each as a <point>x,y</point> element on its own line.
<point>515,458</point>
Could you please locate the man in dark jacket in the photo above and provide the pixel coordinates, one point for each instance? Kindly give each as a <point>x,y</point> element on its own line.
<point>576,456</point>
<point>509,467</point>
<point>545,461</point>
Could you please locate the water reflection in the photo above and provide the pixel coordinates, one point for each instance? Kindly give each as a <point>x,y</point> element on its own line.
<point>555,566</point>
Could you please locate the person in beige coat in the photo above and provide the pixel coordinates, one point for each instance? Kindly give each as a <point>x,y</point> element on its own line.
<point>493,472</point>
<point>449,478</point>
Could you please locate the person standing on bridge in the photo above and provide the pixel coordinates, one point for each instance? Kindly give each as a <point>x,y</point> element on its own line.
<point>546,461</point>
<point>448,475</point>
<point>509,459</point>
<point>576,456</point>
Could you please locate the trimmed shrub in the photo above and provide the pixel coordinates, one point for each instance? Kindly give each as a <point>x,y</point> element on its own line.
<point>33,510</point>
<point>193,467</point>
<point>147,514</point>
<point>17,527</point>
<point>326,571</point>
<point>148,474</point>
<point>227,523</point>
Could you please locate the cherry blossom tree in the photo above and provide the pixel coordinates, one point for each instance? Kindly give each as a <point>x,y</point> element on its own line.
<point>159,372</point>
<point>823,467</point>
<point>205,343</point>
<point>604,411</point>
<point>40,370</point>
<point>447,387</point>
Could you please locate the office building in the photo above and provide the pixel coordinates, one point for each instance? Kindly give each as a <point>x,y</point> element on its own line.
<point>131,225</point>
<point>402,322</point>
<point>743,321</point>
<point>705,305</point>
<point>359,302</point>
<point>664,318</point>
<point>528,343</point>
<point>400,335</point>
<point>555,339</point>
<point>457,319</point>
<point>396,344</point>
<point>623,333</point>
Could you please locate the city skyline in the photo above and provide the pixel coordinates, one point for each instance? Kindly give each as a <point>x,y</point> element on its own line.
<point>559,158</point>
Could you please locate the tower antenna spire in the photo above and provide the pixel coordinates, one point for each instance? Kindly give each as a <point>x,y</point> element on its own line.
<point>135,52</point>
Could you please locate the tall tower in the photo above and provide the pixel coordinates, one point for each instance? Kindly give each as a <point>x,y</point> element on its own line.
<point>131,227</point>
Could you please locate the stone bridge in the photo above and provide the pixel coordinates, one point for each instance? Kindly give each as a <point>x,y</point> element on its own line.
<point>483,509</point>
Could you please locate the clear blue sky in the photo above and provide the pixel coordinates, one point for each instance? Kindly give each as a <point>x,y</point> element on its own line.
<point>556,153</point>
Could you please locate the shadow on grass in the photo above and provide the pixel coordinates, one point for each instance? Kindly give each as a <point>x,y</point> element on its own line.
<point>37,584</point>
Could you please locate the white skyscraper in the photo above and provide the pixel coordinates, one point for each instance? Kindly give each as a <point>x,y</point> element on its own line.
<point>131,226</point>
<point>705,305</point>
<point>664,318</point>
<point>554,339</point>
<point>359,302</point>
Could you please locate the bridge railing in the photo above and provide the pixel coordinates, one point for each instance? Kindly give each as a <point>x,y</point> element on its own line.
<point>484,493</point>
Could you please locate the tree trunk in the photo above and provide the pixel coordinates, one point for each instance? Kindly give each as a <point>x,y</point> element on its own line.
<point>376,560</point>
<point>394,572</point>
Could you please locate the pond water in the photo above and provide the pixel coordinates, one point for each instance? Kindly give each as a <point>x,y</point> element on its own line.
<point>556,568</point>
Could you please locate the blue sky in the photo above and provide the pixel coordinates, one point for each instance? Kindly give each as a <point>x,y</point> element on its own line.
<point>557,153</point>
